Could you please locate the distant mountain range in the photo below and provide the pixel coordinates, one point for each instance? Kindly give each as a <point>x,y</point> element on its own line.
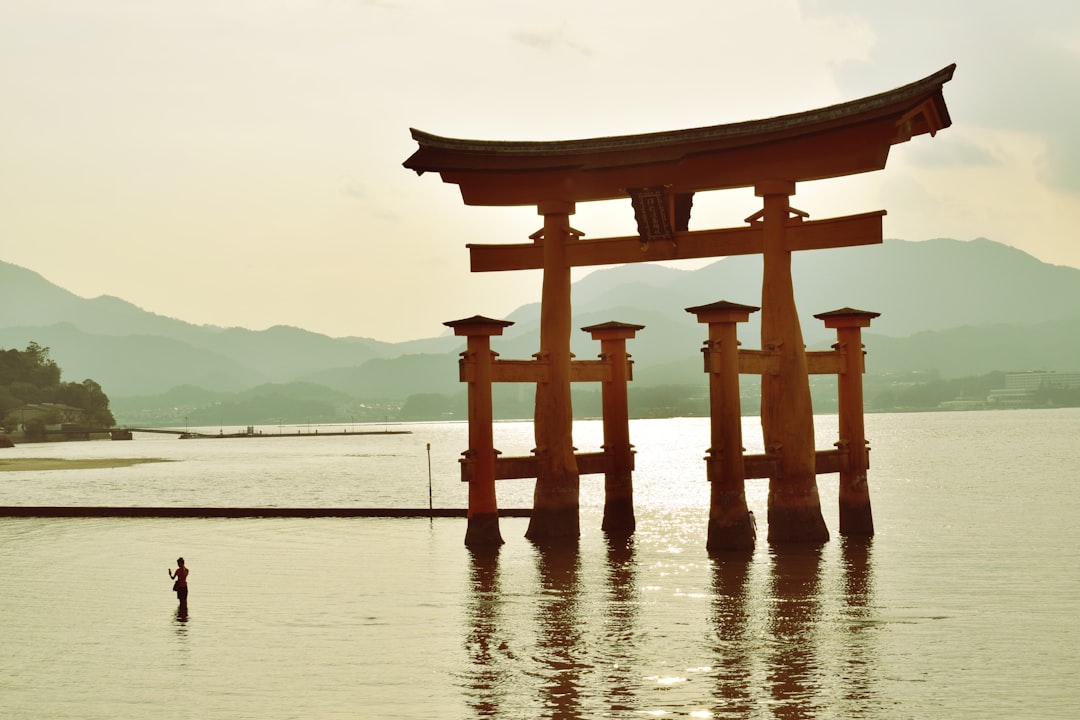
<point>952,308</point>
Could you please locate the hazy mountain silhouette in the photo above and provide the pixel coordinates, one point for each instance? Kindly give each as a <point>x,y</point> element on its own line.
<point>955,307</point>
<point>132,352</point>
<point>916,286</point>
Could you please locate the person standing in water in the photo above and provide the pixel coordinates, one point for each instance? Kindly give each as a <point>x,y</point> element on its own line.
<point>180,586</point>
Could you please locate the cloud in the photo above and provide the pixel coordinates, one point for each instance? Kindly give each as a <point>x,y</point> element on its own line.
<point>1018,70</point>
<point>549,40</point>
<point>353,189</point>
<point>1060,166</point>
<point>1032,88</point>
<point>951,150</point>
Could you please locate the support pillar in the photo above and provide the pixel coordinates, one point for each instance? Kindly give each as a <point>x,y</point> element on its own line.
<point>730,525</point>
<point>856,518</point>
<point>618,480</point>
<point>787,416</point>
<point>476,369</point>
<point>555,515</point>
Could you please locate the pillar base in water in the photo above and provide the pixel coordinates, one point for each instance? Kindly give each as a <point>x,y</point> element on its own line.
<point>856,519</point>
<point>619,516</point>
<point>728,533</point>
<point>483,530</point>
<point>797,525</point>
<point>554,525</point>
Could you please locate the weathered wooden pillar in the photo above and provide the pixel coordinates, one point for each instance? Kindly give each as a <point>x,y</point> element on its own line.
<point>555,500</point>
<point>479,460</point>
<point>618,479</point>
<point>856,518</point>
<point>787,416</point>
<point>730,524</point>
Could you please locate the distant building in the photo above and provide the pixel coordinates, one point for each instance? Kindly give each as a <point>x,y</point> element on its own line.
<point>50,413</point>
<point>1010,397</point>
<point>1021,387</point>
<point>1040,379</point>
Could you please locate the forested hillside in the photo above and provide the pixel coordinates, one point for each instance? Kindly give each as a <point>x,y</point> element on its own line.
<point>31,377</point>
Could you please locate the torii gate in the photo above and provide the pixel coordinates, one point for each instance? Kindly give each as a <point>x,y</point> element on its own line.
<point>660,172</point>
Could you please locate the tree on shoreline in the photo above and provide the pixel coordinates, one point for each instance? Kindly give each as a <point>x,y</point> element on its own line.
<point>31,376</point>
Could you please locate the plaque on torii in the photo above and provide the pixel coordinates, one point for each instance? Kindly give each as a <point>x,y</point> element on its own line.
<point>660,173</point>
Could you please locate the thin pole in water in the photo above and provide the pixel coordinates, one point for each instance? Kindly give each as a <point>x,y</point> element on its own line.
<point>431,509</point>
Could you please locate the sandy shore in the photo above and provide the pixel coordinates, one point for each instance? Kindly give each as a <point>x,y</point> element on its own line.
<point>17,464</point>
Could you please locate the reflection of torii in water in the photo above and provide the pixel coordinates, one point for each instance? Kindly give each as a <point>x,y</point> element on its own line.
<point>660,172</point>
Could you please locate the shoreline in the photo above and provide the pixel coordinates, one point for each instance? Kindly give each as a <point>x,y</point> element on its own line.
<point>32,464</point>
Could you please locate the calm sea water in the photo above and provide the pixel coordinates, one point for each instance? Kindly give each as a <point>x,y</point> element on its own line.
<point>965,605</point>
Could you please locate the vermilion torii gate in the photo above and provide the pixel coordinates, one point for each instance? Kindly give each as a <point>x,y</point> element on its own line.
<point>660,173</point>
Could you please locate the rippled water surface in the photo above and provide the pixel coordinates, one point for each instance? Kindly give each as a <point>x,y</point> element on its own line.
<point>965,605</point>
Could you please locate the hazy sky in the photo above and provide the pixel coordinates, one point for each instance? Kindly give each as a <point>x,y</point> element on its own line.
<point>238,162</point>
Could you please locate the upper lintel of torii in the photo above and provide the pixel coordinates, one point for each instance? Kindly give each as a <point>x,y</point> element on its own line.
<point>660,172</point>
<point>834,141</point>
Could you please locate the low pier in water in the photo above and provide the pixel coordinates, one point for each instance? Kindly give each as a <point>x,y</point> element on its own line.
<point>250,433</point>
<point>58,511</point>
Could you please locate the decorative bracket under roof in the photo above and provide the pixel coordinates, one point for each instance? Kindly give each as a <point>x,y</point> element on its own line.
<point>923,118</point>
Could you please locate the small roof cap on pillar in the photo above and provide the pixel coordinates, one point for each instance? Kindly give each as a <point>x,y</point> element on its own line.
<point>847,317</point>
<point>613,330</point>
<point>723,311</point>
<point>478,325</point>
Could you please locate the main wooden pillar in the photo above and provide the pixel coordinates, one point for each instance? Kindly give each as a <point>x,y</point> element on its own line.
<point>555,501</point>
<point>730,524</point>
<point>787,416</point>
<point>856,518</point>
<point>618,478</point>
<point>476,369</point>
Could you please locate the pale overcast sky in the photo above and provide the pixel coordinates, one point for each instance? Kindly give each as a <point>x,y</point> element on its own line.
<point>238,162</point>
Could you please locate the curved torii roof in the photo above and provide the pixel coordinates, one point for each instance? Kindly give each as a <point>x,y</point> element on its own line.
<point>838,140</point>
